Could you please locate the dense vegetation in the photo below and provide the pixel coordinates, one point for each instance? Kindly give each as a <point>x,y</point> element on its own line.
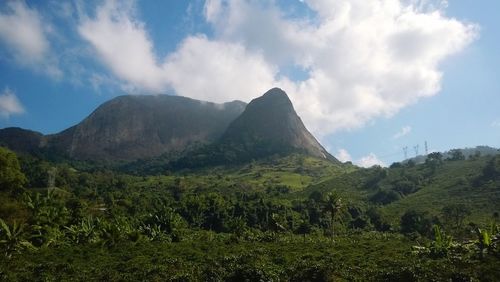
<point>292,218</point>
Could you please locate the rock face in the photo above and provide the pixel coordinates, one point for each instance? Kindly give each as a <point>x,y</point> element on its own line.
<point>129,128</point>
<point>270,125</point>
<point>136,127</point>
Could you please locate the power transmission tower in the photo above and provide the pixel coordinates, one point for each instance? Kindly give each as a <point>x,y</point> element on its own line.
<point>426,149</point>
<point>405,150</point>
<point>416,150</point>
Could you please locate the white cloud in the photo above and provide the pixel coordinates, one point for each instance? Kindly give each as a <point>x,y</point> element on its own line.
<point>343,156</point>
<point>21,28</point>
<point>363,59</point>
<point>405,130</point>
<point>123,45</point>
<point>200,68</point>
<point>24,32</point>
<point>9,104</point>
<point>369,161</point>
<point>217,71</point>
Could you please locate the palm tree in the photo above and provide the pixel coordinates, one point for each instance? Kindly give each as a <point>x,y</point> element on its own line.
<point>332,204</point>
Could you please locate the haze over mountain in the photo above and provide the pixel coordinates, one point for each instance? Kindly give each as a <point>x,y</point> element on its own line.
<point>129,128</point>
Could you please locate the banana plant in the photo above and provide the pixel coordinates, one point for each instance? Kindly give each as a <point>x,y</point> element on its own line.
<point>442,243</point>
<point>83,232</point>
<point>11,238</point>
<point>484,241</point>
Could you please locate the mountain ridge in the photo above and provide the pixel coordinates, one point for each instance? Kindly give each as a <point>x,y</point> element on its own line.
<point>132,127</point>
<point>136,127</point>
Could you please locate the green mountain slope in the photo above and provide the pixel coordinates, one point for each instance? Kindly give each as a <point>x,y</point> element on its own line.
<point>426,187</point>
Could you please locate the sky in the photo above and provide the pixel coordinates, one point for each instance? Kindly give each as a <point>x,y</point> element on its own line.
<point>367,77</point>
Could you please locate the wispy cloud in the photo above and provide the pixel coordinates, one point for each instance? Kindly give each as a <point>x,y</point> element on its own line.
<point>23,31</point>
<point>9,104</point>
<point>405,130</point>
<point>495,123</point>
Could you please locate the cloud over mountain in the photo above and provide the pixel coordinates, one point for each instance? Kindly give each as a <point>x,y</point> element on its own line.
<point>360,59</point>
<point>364,58</point>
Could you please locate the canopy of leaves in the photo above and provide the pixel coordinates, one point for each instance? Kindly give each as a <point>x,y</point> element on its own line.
<point>11,177</point>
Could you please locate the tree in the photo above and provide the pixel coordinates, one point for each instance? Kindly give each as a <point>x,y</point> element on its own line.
<point>333,205</point>
<point>11,177</point>
<point>378,220</point>
<point>492,170</point>
<point>304,229</point>
<point>454,214</point>
<point>385,197</point>
<point>415,221</point>
<point>405,187</point>
<point>434,160</point>
<point>456,155</point>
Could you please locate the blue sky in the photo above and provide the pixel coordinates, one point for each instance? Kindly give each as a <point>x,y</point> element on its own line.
<point>367,77</point>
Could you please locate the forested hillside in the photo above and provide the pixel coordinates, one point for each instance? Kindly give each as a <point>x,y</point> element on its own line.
<point>296,218</point>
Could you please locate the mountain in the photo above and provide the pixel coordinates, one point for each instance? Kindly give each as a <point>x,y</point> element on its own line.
<point>162,128</point>
<point>134,127</point>
<point>21,140</point>
<point>270,124</point>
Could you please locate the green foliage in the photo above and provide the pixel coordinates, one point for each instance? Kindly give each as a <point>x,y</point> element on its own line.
<point>266,220</point>
<point>12,238</point>
<point>414,221</point>
<point>442,243</point>
<point>385,197</point>
<point>456,155</point>
<point>492,170</point>
<point>488,240</point>
<point>11,177</point>
<point>455,214</point>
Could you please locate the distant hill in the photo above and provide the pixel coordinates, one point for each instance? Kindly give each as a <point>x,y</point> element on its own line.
<point>21,140</point>
<point>423,187</point>
<point>467,152</point>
